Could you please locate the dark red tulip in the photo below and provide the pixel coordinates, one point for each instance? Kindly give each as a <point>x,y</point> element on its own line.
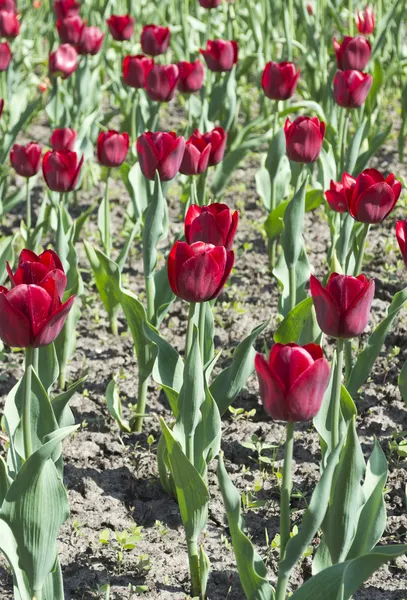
<point>196,156</point>
<point>373,196</point>
<point>310,10</point>
<point>343,307</point>
<point>70,29</point>
<point>66,8</point>
<point>198,272</point>
<point>401,235</point>
<point>279,80</point>
<point>351,88</point>
<point>155,39</point>
<point>64,61</point>
<point>63,139</point>
<point>304,137</point>
<point>90,41</point>
<point>1,106</point>
<point>5,56</point>
<point>135,70</point>
<point>112,148</point>
<point>9,24</point>
<point>38,270</point>
<point>339,193</point>
<point>8,5</point>
<point>26,160</point>
<point>292,381</point>
<point>365,21</point>
<point>220,55</point>
<point>61,170</point>
<point>210,3</point>
<point>353,53</point>
<point>191,76</point>
<point>161,151</point>
<point>217,138</point>
<point>213,224</point>
<point>161,82</point>
<point>121,27</point>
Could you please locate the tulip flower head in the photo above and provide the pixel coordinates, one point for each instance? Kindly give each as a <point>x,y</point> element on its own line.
<point>196,156</point>
<point>90,41</point>
<point>343,306</point>
<point>161,151</point>
<point>161,82</point>
<point>292,381</point>
<point>155,39</point>
<point>351,88</point>
<point>112,148</point>
<point>191,76</point>
<point>401,235</point>
<point>365,21</point>
<point>339,193</point>
<point>61,170</point>
<point>210,3</point>
<point>70,29</point>
<point>26,160</point>
<point>135,70</point>
<point>121,27</point>
<point>213,224</point>
<point>198,272</point>
<point>63,139</point>
<point>353,53</point>
<point>279,80</point>
<point>9,24</point>
<point>304,137</point>
<point>66,8</point>
<point>37,270</point>
<point>217,138</point>
<point>63,62</point>
<point>373,196</point>
<point>5,56</point>
<point>220,55</point>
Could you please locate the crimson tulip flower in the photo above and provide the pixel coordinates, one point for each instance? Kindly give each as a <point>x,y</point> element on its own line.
<point>66,8</point>
<point>339,193</point>
<point>9,24</point>
<point>90,41</point>
<point>217,138</point>
<point>155,39</point>
<point>8,5</point>
<point>26,160</point>
<point>343,307</point>
<point>121,27</point>
<point>292,381</point>
<point>351,88</point>
<point>279,80</point>
<point>401,235</point>
<point>220,55</point>
<point>213,224</point>
<point>70,29</point>
<point>365,21</point>
<point>304,137</point>
<point>353,53</point>
<point>112,148</point>
<point>161,82</point>
<point>5,56</point>
<point>210,3</point>
<point>64,61</point>
<point>373,196</point>
<point>38,270</point>
<point>135,70</point>
<point>161,151</point>
<point>196,156</point>
<point>63,139</point>
<point>198,272</point>
<point>191,76</point>
<point>61,170</point>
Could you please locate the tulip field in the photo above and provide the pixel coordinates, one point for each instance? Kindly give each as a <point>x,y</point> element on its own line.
<point>203,300</point>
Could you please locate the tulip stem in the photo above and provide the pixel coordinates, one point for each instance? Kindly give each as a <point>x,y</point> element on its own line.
<point>361,250</point>
<point>336,397</point>
<point>201,189</point>
<point>29,358</point>
<point>150,292</point>
<point>28,208</point>
<point>134,115</point>
<point>348,359</point>
<point>106,208</point>
<point>56,114</point>
<point>141,401</point>
<point>190,328</point>
<point>201,328</point>
<point>292,287</point>
<point>193,559</point>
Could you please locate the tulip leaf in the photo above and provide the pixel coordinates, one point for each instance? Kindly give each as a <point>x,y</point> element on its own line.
<point>229,382</point>
<point>251,568</point>
<point>114,406</point>
<point>302,273</point>
<point>8,546</point>
<point>276,170</point>
<point>204,569</point>
<point>383,28</point>
<point>164,296</point>
<point>6,255</point>
<point>15,128</point>
<point>153,228</point>
<point>291,327</point>
<point>308,105</point>
<point>229,94</point>
<point>374,145</point>
<point>371,351</point>
<point>402,381</point>
<point>5,480</point>
<point>326,167</point>
<point>164,470</point>
<point>208,433</point>
<point>65,343</point>
<point>104,284</point>
<point>292,240</point>
<point>354,147</point>
<point>48,367</point>
<point>209,347</point>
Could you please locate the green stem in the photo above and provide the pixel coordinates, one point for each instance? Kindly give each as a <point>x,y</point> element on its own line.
<point>141,401</point>
<point>344,138</point>
<point>56,114</point>
<point>134,116</point>
<point>28,206</point>
<point>201,188</point>
<point>150,291</point>
<point>190,328</point>
<point>201,328</point>
<point>348,359</point>
<point>336,394</point>
<point>350,24</point>
<point>361,251</point>
<point>29,358</point>
<point>37,595</point>
<point>292,287</point>
<point>193,559</point>
<point>106,207</point>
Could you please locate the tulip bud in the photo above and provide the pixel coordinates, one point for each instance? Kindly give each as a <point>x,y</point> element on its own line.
<point>162,152</point>
<point>191,76</point>
<point>112,148</point>
<point>373,197</point>
<point>196,156</point>
<point>155,39</point>
<point>310,9</point>
<point>214,224</point>
<point>343,307</point>
<point>161,82</point>
<point>217,138</point>
<point>210,3</point>
<point>198,272</point>
<point>63,139</point>
<point>90,41</point>
<point>121,27</point>
<point>26,160</point>
<point>9,24</point>
<point>61,170</point>
<point>292,381</point>
<point>351,88</point>
<point>5,56</point>
<point>64,61</point>
<point>304,137</point>
<point>365,21</point>
<point>401,235</point>
<point>135,70</point>
<point>352,54</point>
<point>66,8</point>
<point>220,55</point>
<point>70,29</point>
<point>38,270</point>
<point>339,194</point>
<point>279,80</point>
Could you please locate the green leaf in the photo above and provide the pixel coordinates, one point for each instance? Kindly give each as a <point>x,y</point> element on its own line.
<point>164,296</point>
<point>302,273</point>
<point>204,569</point>
<point>274,223</point>
<point>48,367</point>
<point>14,128</point>
<point>251,568</point>
<point>208,433</point>
<point>107,291</point>
<point>8,546</point>
<point>114,406</point>
<point>291,327</point>
<point>5,480</point>
<point>354,147</point>
<point>383,28</point>
<point>402,381</point>
<point>153,228</point>
<point>62,412</point>
<point>374,145</point>
<point>292,240</point>
<point>6,255</point>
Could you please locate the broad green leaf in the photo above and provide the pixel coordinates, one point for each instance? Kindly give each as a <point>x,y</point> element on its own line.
<point>62,412</point>
<point>383,27</point>
<point>114,406</point>
<point>65,343</point>
<point>107,292</point>
<point>302,274</point>
<point>326,167</point>
<point>354,147</point>
<point>374,145</point>
<point>6,255</point>
<point>204,569</point>
<point>402,381</point>
<point>291,327</point>
<point>208,433</point>
<point>292,240</point>
<point>153,228</point>
<point>274,223</point>
<point>8,546</point>
<point>48,367</point>
<point>164,296</point>
<point>14,128</point>
<point>164,472</point>
<point>5,480</point>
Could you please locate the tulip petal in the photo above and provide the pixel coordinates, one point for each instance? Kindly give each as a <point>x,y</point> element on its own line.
<point>53,326</point>
<point>270,392</point>
<point>287,362</point>
<point>326,308</point>
<point>356,317</point>
<point>374,204</point>
<point>305,397</point>
<point>15,330</point>
<point>230,259</point>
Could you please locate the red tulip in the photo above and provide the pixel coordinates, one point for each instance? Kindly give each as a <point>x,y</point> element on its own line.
<point>343,307</point>
<point>401,235</point>
<point>9,24</point>
<point>214,224</point>
<point>310,10</point>
<point>39,270</point>
<point>304,137</point>
<point>155,39</point>
<point>217,138</point>
<point>279,80</point>
<point>70,29</point>
<point>135,70</point>
<point>373,197</point>
<point>64,61</point>
<point>196,156</point>
<point>339,194</point>
<point>351,88</point>
<point>91,40</point>
<point>220,55</point>
<point>8,5</point>
<point>26,160</point>
<point>5,56</point>
<point>353,53</point>
<point>292,381</point>
<point>112,148</point>
<point>161,82</point>
<point>66,8</point>
<point>63,139</point>
<point>121,27</point>
<point>191,76</point>
<point>1,106</point>
<point>61,170</point>
<point>210,3</point>
<point>365,21</point>
<point>198,272</point>
<point>162,152</point>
